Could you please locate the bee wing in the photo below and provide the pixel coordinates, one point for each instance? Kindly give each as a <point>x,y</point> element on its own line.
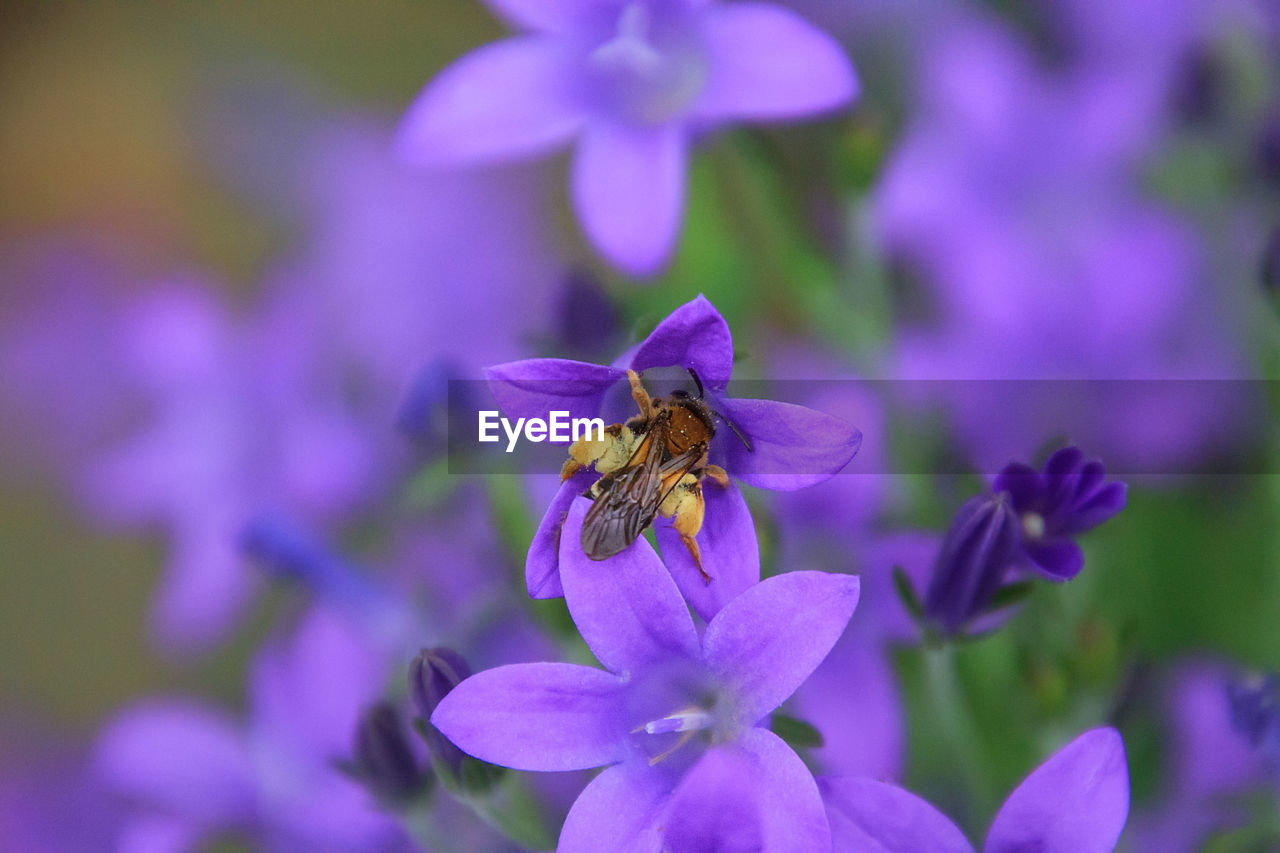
<point>630,501</point>
<point>622,510</point>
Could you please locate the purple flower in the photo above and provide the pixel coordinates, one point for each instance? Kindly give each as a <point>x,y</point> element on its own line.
<point>783,447</point>
<point>1255,714</point>
<point>1214,763</point>
<point>270,775</point>
<point>1076,802</point>
<point>973,560</point>
<point>1069,497</point>
<point>241,416</point>
<point>1013,200</point>
<point>633,80</point>
<point>382,759</point>
<point>674,716</point>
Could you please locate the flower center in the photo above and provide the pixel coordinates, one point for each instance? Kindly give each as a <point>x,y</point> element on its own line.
<point>649,70</point>
<point>1033,525</point>
<point>688,722</point>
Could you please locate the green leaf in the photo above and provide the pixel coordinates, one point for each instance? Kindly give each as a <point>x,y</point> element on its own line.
<point>906,592</point>
<point>1007,596</point>
<point>796,732</point>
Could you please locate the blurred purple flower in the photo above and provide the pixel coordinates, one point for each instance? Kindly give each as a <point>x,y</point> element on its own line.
<point>1255,713</point>
<point>1014,197</point>
<point>272,775</point>
<point>1076,802</point>
<point>1069,497</point>
<point>634,80</point>
<point>674,716</point>
<point>239,417</point>
<point>1213,760</point>
<point>786,447</point>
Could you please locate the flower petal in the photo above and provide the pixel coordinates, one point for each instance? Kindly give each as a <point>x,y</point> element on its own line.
<point>623,809</point>
<point>694,335</point>
<point>753,793</point>
<point>852,699</point>
<point>877,817</point>
<point>730,552</point>
<point>533,387</point>
<point>536,716</point>
<point>1057,560</point>
<point>1106,502</point>
<point>627,607</point>
<point>791,446</point>
<point>768,640</point>
<point>547,16</point>
<point>1076,802</point>
<point>509,99</point>
<point>1023,483</point>
<point>326,665</point>
<point>542,565</point>
<point>181,758</point>
<point>206,588</point>
<point>628,190</point>
<point>766,62</point>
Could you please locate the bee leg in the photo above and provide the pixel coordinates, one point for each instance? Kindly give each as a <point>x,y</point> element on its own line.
<point>686,508</point>
<point>696,553</point>
<point>715,472</point>
<point>641,396</point>
<point>606,455</point>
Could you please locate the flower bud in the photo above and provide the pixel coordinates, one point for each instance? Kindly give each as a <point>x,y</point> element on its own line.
<point>383,759</point>
<point>972,562</point>
<point>1254,705</point>
<point>433,673</point>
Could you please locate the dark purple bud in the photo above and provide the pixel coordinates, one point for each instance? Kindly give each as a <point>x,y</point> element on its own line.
<point>433,673</point>
<point>383,760</point>
<point>286,551</point>
<point>438,408</point>
<point>973,560</point>
<point>588,321</point>
<point>1201,88</point>
<point>1255,714</point>
<point>1271,265</point>
<point>1269,149</point>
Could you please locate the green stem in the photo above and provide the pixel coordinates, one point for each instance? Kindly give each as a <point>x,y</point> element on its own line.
<point>960,734</point>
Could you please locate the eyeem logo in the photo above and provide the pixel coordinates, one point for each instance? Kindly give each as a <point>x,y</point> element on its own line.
<point>559,427</point>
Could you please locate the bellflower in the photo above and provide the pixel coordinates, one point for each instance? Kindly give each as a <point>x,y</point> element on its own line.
<point>1068,497</point>
<point>240,416</point>
<point>1223,738</point>
<point>1014,201</point>
<point>1076,802</point>
<point>633,81</point>
<point>674,717</point>
<point>269,775</point>
<point>782,447</point>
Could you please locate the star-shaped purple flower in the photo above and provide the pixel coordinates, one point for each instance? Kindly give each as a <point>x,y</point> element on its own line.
<point>782,447</point>
<point>633,80</point>
<point>1076,802</point>
<point>675,717</point>
<point>1069,497</point>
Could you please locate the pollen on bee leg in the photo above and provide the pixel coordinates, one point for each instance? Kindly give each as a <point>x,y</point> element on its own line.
<point>718,474</point>
<point>641,396</point>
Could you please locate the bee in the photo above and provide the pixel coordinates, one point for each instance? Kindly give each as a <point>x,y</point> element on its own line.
<point>653,465</point>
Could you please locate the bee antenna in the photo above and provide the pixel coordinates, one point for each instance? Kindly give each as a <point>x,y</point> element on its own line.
<point>697,381</point>
<point>745,441</point>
